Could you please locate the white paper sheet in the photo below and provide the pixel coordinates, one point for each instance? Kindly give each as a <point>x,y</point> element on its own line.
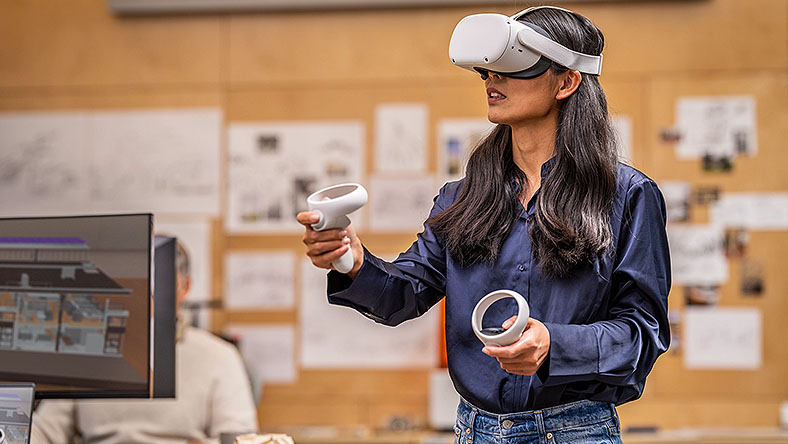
<point>677,195</point>
<point>400,203</point>
<point>623,126</point>
<point>63,163</point>
<point>340,337</point>
<point>196,238</point>
<point>401,137</point>
<point>268,352</point>
<point>160,161</point>
<point>260,280</point>
<point>456,140</point>
<point>723,126</point>
<point>726,338</point>
<point>43,163</point>
<point>697,254</point>
<point>274,167</point>
<point>753,211</point>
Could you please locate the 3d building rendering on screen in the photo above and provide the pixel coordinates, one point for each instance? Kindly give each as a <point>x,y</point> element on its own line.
<point>53,299</point>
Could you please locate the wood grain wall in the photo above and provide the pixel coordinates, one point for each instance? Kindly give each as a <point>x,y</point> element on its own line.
<point>59,55</point>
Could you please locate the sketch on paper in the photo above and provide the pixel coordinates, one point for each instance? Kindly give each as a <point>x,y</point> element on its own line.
<point>157,161</point>
<point>716,129</point>
<point>753,211</point>
<point>260,280</point>
<point>456,139</point>
<point>722,338</point>
<point>401,137</point>
<point>697,255</point>
<point>274,167</point>
<point>42,163</point>
<point>162,161</point>
<point>400,203</point>
<point>339,337</point>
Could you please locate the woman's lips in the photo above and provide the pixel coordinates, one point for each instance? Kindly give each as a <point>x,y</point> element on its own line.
<point>494,96</point>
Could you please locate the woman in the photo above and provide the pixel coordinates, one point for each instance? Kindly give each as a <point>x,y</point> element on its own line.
<point>545,210</point>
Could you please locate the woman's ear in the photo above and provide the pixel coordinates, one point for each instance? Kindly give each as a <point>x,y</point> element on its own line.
<point>569,84</point>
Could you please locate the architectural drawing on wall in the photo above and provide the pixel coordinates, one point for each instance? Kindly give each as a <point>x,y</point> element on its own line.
<point>400,203</point>
<point>156,161</point>
<point>53,299</point>
<point>754,211</point>
<point>42,162</point>
<point>716,128</point>
<point>697,255</point>
<point>401,137</point>
<point>163,161</point>
<point>456,139</point>
<point>259,280</point>
<point>275,166</point>
<point>339,337</point>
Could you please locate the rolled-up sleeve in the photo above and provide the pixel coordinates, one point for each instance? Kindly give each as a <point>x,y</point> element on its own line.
<point>393,292</point>
<point>622,349</point>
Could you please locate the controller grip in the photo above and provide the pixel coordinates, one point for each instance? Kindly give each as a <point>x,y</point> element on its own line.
<point>345,263</point>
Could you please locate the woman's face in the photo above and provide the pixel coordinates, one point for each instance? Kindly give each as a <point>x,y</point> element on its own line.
<point>516,102</point>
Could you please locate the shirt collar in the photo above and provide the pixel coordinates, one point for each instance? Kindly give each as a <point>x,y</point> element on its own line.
<point>547,167</point>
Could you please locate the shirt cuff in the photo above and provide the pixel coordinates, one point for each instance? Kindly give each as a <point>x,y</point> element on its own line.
<point>573,354</point>
<point>363,293</point>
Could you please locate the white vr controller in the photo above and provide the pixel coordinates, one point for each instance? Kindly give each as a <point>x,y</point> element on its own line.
<point>500,336</point>
<point>333,204</point>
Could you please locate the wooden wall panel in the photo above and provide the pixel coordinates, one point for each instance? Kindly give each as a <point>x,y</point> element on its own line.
<point>54,43</point>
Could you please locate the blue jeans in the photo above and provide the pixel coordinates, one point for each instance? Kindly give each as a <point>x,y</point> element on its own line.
<point>581,422</point>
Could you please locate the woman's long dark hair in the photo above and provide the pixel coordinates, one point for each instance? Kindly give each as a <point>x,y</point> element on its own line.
<point>571,223</point>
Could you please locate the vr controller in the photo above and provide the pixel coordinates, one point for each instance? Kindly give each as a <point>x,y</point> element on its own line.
<point>333,204</point>
<point>500,336</point>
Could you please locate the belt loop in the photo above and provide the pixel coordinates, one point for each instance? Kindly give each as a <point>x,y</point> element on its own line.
<point>472,432</point>
<point>539,418</point>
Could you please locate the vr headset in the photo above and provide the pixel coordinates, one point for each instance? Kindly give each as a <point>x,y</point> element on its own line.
<point>504,45</point>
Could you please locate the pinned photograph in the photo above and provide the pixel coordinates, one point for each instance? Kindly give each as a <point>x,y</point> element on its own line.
<point>736,240</point>
<point>701,295</point>
<point>752,278</point>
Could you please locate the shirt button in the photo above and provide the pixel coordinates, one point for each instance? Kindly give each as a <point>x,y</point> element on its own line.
<point>521,267</point>
<point>467,430</point>
<point>507,424</point>
<point>549,435</point>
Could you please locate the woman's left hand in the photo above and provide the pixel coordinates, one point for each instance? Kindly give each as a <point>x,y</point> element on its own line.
<point>525,356</point>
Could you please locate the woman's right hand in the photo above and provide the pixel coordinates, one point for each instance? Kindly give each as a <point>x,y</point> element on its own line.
<point>324,247</point>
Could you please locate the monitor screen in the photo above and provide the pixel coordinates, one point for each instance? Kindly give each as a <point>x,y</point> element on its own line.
<point>75,304</point>
<point>16,412</point>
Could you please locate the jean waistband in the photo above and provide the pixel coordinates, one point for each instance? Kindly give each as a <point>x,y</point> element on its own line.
<point>574,414</point>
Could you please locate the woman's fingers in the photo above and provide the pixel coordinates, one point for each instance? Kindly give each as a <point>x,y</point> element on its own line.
<point>322,247</point>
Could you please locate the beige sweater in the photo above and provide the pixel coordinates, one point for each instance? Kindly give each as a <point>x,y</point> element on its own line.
<point>213,396</point>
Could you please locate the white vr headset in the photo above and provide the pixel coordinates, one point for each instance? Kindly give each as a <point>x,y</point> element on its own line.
<point>501,44</point>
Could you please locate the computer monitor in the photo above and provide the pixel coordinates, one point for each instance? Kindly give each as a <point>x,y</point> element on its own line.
<point>165,272</point>
<point>16,412</point>
<point>76,305</point>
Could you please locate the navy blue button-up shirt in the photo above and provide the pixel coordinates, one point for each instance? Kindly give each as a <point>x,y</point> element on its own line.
<point>607,321</point>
